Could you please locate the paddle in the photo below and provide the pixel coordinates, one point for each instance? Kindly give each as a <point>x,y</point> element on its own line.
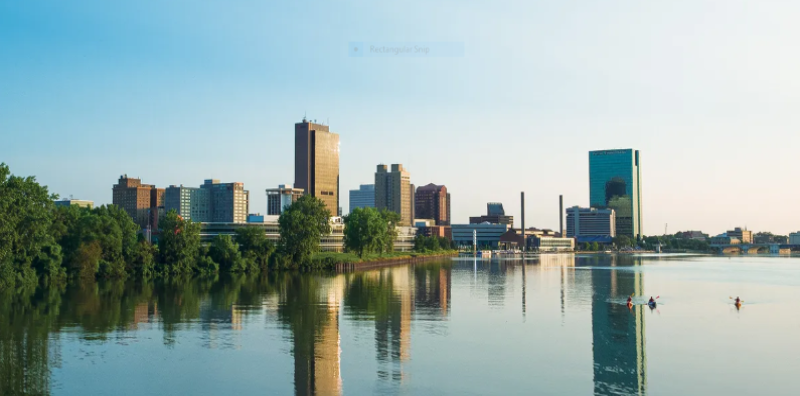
<point>740,300</point>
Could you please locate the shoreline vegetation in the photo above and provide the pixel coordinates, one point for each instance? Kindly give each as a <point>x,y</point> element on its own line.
<point>41,243</point>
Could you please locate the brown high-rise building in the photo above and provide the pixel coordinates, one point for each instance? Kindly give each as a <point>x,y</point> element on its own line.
<point>316,163</point>
<point>141,201</point>
<point>394,191</point>
<point>433,202</point>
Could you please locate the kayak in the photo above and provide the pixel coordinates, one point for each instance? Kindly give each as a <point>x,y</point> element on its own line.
<point>630,304</point>
<point>651,304</point>
<point>738,304</point>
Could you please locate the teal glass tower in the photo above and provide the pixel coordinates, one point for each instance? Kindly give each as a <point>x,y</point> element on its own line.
<point>615,182</point>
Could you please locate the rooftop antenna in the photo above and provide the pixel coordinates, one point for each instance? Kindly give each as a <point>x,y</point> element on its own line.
<point>304,116</point>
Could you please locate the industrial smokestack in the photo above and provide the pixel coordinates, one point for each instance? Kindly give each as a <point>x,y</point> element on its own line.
<point>522,201</point>
<point>561,215</point>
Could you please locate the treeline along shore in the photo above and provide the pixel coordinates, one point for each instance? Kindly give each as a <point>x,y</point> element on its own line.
<point>43,243</point>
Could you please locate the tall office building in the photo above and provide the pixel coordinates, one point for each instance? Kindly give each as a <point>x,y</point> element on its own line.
<point>212,202</point>
<point>393,191</point>
<point>433,202</point>
<point>137,199</point>
<point>279,198</point>
<point>316,163</point>
<point>615,183</point>
<point>590,222</point>
<point>364,197</point>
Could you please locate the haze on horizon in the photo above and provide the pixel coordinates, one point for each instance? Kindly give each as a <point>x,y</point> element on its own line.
<point>183,91</point>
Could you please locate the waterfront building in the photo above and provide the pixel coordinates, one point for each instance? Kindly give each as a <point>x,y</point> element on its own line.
<point>75,202</point>
<point>488,235</point>
<point>725,239</point>
<point>552,243</point>
<point>316,162</point>
<point>364,197</point>
<point>743,235</point>
<point>433,202</point>
<point>590,222</point>
<point>615,183</point>
<point>191,203</point>
<point>696,235</point>
<point>536,239</point>
<point>279,198</point>
<point>794,238</point>
<point>495,214</point>
<point>394,192</point>
<point>138,199</point>
<point>333,242</point>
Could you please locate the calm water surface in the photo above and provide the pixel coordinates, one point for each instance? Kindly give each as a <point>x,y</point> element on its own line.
<point>554,326</point>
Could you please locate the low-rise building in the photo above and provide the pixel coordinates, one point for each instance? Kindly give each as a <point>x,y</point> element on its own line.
<point>743,235</point>
<point>696,235</point>
<point>488,235</point>
<point>794,238</point>
<point>725,239</point>
<point>590,222</point>
<point>552,244</point>
<point>333,242</point>
<point>255,218</point>
<point>75,202</point>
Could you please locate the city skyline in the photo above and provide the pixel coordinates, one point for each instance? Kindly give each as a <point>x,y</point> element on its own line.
<point>213,94</point>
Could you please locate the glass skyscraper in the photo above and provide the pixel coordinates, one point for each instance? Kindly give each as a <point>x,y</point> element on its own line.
<point>615,183</point>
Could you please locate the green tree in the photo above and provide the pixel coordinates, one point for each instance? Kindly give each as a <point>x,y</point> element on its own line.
<point>26,213</point>
<point>586,246</point>
<point>622,241</point>
<point>301,226</point>
<point>255,246</point>
<point>595,247</point>
<point>391,219</point>
<point>225,252</point>
<point>178,245</point>
<point>364,231</point>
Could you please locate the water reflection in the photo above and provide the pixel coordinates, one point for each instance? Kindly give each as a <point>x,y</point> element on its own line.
<point>620,364</point>
<point>309,309</point>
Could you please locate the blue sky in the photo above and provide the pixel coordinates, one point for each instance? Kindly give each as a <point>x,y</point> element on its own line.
<point>177,92</point>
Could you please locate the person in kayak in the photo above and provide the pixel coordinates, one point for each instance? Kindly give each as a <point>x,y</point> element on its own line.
<point>737,301</point>
<point>652,301</point>
<point>630,302</point>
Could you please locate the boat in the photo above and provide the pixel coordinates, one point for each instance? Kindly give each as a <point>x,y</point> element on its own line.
<point>651,304</point>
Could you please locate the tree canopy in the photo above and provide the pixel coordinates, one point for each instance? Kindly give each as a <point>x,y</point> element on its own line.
<point>301,226</point>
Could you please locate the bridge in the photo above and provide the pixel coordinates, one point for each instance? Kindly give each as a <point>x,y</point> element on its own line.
<point>754,248</point>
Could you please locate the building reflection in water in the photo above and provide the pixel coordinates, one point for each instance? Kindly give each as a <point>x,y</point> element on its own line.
<point>310,306</point>
<point>618,333</point>
<point>392,298</point>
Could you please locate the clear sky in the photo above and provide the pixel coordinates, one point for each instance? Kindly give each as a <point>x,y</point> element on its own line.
<point>180,91</point>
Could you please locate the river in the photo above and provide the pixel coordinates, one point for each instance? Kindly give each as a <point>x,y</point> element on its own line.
<point>557,325</point>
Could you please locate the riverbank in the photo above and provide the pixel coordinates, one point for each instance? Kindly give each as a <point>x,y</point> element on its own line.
<point>351,262</point>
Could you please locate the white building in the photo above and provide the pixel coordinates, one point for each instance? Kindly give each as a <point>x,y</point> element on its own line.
<point>487,234</point>
<point>590,222</point>
<point>279,198</point>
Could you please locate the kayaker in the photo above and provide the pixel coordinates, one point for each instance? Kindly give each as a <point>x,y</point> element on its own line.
<point>738,301</point>
<point>629,300</point>
<point>651,300</point>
